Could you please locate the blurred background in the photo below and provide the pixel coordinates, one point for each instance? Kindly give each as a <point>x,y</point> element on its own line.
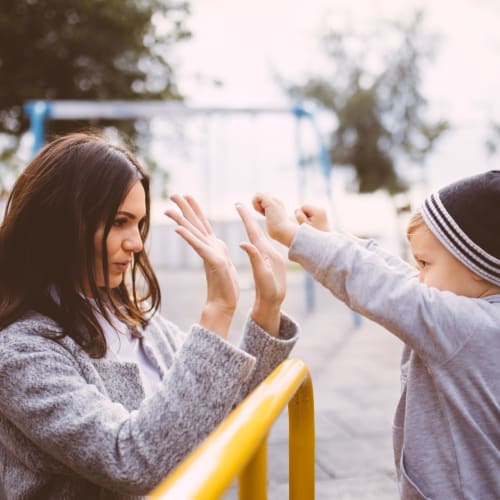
<point>401,97</point>
<point>362,106</point>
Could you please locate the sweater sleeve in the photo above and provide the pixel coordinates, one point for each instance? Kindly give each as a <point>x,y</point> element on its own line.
<point>43,393</point>
<point>434,323</point>
<point>268,351</point>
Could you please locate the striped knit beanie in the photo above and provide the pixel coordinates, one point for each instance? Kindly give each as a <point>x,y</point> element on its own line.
<point>465,217</point>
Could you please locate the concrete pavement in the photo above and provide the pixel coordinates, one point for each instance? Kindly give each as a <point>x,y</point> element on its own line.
<point>355,373</point>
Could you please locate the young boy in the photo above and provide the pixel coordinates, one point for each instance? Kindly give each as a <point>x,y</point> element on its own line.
<point>447,424</point>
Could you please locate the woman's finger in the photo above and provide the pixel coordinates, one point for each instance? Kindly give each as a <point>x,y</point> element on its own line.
<point>252,228</point>
<point>195,243</point>
<point>199,213</point>
<point>188,211</point>
<point>256,260</point>
<point>183,222</point>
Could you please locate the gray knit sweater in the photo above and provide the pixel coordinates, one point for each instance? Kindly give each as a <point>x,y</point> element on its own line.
<point>447,423</point>
<point>73,427</point>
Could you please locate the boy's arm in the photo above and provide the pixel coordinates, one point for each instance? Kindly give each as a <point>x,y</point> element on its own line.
<point>317,217</point>
<point>282,229</point>
<point>435,324</point>
<point>392,260</point>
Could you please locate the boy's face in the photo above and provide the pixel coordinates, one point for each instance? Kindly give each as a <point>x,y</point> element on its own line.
<point>438,267</point>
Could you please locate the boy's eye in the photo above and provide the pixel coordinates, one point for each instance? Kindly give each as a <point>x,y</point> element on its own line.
<point>422,263</point>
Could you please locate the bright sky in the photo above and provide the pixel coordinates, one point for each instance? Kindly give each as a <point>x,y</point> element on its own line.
<point>245,43</point>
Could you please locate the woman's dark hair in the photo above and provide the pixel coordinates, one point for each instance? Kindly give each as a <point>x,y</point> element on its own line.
<point>73,186</point>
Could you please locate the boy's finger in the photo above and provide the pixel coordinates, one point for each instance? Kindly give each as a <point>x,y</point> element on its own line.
<point>258,203</point>
<point>300,216</point>
<point>309,210</point>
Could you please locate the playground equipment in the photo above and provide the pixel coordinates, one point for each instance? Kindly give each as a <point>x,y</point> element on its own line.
<point>237,447</point>
<point>39,112</point>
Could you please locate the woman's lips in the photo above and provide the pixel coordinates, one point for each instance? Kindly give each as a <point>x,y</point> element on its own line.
<point>121,266</point>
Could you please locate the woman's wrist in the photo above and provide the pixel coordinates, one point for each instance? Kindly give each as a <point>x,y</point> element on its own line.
<point>268,317</point>
<point>217,318</point>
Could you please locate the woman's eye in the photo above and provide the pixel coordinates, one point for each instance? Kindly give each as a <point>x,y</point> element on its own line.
<point>119,222</point>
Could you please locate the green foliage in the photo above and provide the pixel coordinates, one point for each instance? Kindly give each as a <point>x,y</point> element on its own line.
<point>85,49</point>
<point>380,111</point>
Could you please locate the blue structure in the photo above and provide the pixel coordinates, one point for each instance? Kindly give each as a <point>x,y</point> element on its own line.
<point>41,111</point>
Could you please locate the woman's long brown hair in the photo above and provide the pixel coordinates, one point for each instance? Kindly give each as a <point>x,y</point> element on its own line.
<point>74,185</point>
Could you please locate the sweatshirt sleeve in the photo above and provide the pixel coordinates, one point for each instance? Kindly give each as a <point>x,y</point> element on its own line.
<point>434,323</point>
<point>44,394</point>
<point>393,261</point>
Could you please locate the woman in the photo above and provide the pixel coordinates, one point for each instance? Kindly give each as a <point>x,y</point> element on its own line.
<point>100,397</point>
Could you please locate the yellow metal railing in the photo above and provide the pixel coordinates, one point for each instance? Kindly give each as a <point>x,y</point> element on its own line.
<point>238,446</point>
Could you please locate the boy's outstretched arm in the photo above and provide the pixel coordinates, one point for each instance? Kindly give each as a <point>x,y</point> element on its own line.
<point>278,225</point>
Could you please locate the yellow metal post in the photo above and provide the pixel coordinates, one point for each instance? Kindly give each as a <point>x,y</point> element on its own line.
<point>301,443</point>
<point>253,478</point>
<point>239,442</point>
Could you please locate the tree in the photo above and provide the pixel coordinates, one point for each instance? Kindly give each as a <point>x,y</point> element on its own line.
<point>379,109</point>
<point>84,49</point>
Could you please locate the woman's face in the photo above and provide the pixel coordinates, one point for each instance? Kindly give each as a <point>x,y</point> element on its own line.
<point>124,238</point>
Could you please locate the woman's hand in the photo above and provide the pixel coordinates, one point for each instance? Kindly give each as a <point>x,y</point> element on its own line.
<point>222,285</point>
<point>269,273</point>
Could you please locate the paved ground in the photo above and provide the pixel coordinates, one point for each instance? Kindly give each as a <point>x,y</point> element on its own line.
<point>356,384</point>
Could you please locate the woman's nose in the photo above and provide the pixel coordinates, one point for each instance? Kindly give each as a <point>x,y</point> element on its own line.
<point>133,243</point>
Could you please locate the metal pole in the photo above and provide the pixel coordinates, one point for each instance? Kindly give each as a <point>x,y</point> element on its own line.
<point>300,113</point>
<point>38,112</point>
<point>301,443</point>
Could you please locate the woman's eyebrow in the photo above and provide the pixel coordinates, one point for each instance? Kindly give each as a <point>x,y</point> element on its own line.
<point>127,214</point>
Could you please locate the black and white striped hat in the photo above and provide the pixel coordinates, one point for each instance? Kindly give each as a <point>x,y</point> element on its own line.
<point>465,217</point>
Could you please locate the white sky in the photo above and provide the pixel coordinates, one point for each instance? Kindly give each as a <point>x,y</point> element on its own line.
<point>245,43</point>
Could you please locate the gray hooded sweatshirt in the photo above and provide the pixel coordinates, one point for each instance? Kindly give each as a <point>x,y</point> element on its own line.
<point>446,430</point>
<point>74,427</point>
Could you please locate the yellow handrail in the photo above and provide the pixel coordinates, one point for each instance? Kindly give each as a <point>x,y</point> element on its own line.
<point>237,447</point>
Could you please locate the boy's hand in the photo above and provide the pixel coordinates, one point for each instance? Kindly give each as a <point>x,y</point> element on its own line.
<point>278,225</point>
<point>313,215</point>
